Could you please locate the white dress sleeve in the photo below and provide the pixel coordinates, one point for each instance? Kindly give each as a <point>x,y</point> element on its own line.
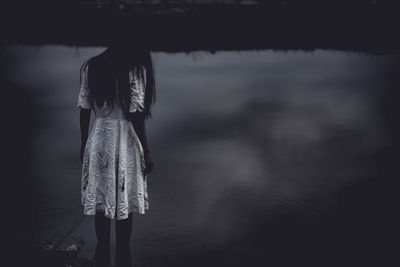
<point>137,85</point>
<point>83,98</point>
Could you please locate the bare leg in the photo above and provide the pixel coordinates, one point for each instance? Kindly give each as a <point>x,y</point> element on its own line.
<point>102,227</point>
<point>123,236</point>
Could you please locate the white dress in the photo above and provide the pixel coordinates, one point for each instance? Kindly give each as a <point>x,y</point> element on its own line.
<point>112,178</point>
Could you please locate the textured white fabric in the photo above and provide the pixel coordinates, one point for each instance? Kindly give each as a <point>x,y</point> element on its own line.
<point>137,86</point>
<point>112,171</point>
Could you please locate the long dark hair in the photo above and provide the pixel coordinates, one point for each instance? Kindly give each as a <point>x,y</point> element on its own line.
<point>116,62</point>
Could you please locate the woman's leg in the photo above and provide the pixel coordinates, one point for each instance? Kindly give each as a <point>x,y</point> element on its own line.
<point>123,236</point>
<point>102,227</point>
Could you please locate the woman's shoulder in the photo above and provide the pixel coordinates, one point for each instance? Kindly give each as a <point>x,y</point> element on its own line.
<point>91,61</point>
<point>139,71</point>
<point>137,67</point>
<point>85,65</point>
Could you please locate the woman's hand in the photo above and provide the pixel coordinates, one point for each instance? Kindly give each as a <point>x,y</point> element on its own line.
<point>148,161</point>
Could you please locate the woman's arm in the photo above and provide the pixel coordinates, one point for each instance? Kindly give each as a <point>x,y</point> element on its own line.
<point>84,125</point>
<point>138,122</point>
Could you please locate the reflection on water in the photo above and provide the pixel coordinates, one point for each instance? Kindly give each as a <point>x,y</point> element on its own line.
<point>258,155</point>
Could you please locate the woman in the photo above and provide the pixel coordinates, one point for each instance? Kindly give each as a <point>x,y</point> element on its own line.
<point>118,85</point>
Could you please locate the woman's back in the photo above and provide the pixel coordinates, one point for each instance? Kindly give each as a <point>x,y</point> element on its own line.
<point>110,111</point>
<point>136,86</point>
<point>113,178</point>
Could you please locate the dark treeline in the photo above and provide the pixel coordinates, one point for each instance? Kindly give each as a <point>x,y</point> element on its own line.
<point>170,25</point>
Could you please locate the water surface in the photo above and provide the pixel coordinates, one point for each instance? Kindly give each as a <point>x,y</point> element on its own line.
<point>261,157</point>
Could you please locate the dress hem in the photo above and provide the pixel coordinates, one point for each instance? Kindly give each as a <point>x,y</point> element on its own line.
<point>90,211</point>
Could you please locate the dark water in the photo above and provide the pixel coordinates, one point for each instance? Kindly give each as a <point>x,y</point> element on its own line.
<point>261,157</point>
